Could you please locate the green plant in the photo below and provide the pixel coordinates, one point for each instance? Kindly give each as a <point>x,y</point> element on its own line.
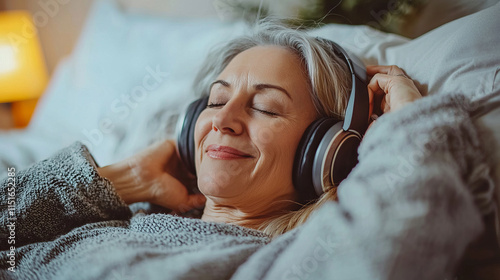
<point>385,15</point>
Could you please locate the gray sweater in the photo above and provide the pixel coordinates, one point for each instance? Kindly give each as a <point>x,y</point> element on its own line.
<point>405,212</point>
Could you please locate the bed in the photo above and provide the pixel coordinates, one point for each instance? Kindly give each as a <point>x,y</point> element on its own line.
<point>98,95</point>
<point>87,97</point>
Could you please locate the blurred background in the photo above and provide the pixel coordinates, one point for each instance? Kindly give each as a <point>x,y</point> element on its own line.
<point>116,74</point>
<point>56,25</point>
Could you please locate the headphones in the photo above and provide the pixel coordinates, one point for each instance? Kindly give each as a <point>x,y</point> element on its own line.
<point>327,151</point>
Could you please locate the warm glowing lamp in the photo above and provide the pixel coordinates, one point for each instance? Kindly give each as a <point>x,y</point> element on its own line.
<point>23,76</point>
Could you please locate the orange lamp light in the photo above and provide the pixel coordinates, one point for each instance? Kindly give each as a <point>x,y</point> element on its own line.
<point>23,75</point>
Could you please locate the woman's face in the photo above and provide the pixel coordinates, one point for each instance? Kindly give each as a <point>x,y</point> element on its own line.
<point>246,139</point>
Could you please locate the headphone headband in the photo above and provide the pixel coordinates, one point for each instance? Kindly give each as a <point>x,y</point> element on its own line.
<point>358,99</point>
<point>327,151</point>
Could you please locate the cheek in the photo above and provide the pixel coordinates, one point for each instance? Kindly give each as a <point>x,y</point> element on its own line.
<point>269,132</point>
<point>202,128</point>
<point>279,141</point>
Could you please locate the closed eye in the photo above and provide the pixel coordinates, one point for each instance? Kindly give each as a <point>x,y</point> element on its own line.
<point>265,112</point>
<point>217,105</point>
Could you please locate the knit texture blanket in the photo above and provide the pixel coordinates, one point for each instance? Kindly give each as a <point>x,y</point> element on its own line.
<point>405,212</point>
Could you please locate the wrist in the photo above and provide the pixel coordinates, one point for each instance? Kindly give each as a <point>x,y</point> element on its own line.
<point>125,182</point>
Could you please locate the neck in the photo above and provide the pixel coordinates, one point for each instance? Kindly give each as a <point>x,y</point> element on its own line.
<point>245,216</point>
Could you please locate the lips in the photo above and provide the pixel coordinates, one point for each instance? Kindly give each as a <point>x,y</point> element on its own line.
<point>225,152</point>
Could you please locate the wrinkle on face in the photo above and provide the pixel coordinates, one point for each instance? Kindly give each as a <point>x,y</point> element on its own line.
<point>252,185</point>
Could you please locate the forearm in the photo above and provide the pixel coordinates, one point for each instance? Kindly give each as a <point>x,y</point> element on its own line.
<point>154,175</point>
<point>57,195</point>
<point>124,180</point>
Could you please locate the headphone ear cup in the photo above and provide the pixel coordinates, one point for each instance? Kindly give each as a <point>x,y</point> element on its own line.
<point>305,157</point>
<point>336,156</point>
<point>185,140</point>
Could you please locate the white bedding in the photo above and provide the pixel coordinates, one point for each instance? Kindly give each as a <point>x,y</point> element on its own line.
<point>106,96</point>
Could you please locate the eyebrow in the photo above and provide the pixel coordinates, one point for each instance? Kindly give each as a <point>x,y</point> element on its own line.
<point>257,87</point>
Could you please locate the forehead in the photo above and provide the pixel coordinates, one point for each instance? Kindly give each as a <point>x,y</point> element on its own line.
<point>267,64</point>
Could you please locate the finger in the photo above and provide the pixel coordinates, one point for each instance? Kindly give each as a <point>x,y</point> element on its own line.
<point>193,201</point>
<point>393,70</point>
<point>370,104</point>
<point>168,192</point>
<point>385,106</point>
<point>369,126</point>
<point>174,195</point>
<point>380,83</point>
<point>376,85</point>
<point>196,200</point>
<point>376,95</point>
<point>384,69</point>
<point>161,150</point>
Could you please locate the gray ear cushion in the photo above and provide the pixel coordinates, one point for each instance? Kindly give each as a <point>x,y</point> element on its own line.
<point>335,157</point>
<point>305,162</point>
<point>185,140</point>
<point>347,159</point>
<point>304,157</point>
<point>327,151</point>
<point>308,160</point>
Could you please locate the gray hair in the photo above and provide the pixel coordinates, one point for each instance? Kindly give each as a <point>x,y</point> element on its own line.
<point>328,75</point>
<point>329,81</point>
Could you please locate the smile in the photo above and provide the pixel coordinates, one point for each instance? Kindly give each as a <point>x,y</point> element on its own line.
<point>225,152</point>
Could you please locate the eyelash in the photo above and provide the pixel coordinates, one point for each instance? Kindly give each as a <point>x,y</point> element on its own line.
<point>215,105</point>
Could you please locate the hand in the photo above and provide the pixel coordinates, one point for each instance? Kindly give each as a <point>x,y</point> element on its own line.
<point>391,88</point>
<point>153,175</point>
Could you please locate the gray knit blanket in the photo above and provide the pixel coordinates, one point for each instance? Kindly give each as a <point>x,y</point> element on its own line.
<point>405,212</point>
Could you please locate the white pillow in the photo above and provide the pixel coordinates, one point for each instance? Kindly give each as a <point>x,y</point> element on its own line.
<point>117,50</point>
<point>129,73</point>
<point>460,56</point>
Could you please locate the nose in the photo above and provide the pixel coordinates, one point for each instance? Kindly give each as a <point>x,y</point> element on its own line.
<point>229,119</point>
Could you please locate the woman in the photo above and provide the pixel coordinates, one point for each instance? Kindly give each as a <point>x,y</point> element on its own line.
<point>72,218</point>
<point>255,189</point>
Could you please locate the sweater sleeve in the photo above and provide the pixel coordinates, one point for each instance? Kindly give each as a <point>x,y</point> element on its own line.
<point>405,212</point>
<point>54,196</point>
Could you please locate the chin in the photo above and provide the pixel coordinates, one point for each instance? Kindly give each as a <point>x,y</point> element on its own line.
<point>222,178</point>
<point>218,185</point>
